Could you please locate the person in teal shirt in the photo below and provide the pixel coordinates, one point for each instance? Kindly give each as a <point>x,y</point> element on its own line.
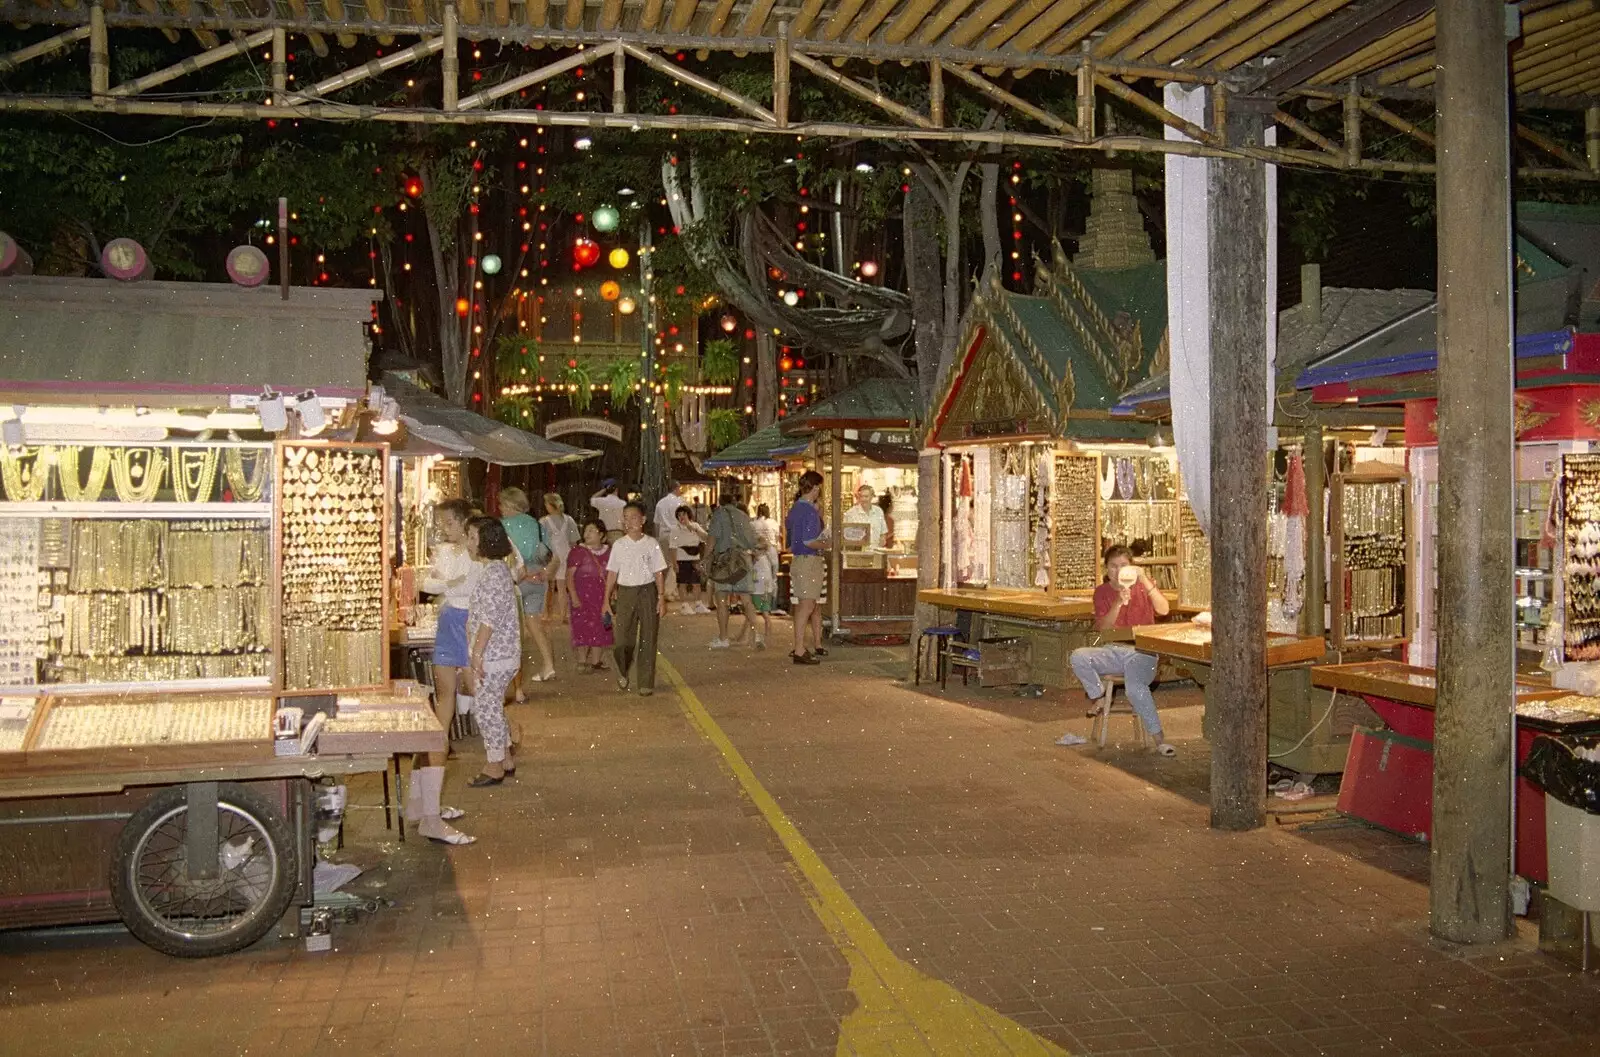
<point>528,538</point>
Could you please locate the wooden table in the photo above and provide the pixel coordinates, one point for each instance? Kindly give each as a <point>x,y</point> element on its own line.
<point>1388,778</point>
<point>1298,734</point>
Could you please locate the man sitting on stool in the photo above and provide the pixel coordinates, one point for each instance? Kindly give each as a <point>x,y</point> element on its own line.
<point>1126,600</point>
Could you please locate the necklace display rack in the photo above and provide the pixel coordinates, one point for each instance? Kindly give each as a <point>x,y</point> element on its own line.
<point>1580,572</point>
<point>1372,524</point>
<point>1075,522</point>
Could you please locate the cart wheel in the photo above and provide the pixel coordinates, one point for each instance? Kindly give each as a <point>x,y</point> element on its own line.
<point>177,915</point>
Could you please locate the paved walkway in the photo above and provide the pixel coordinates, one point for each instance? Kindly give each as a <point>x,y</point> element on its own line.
<point>783,860</point>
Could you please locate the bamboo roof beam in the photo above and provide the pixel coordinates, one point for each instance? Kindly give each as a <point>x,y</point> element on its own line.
<point>801,26</point>
<point>682,15</point>
<point>543,73</point>
<point>334,9</point>
<point>1382,52</point>
<point>1309,134</point>
<point>1551,147</point>
<point>1029,13</point>
<point>1395,121</point>
<point>1245,30</point>
<point>868,23</point>
<point>861,91</point>
<point>206,38</point>
<point>189,65</point>
<point>318,44</point>
<point>149,7</point>
<point>1556,41</point>
<point>1075,31</point>
<point>943,17</point>
<point>907,21</point>
<point>610,15</point>
<point>377,11</point>
<point>755,18</point>
<point>650,17</point>
<point>1168,28</point>
<point>1132,24</point>
<point>419,12</point>
<point>572,17</point>
<point>976,24</point>
<point>319,91</point>
<point>1157,111</point>
<point>48,46</point>
<point>500,12</point>
<point>719,17</point>
<point>1203,30</point>
<point>1022,106</point>
<point>1281,31</point>
<point>1550,16</point>
<point>1565,60</point>
<point>694,80</point>
<point>843,15</point>
<point>1576,28</point>
<point>1567,79</point>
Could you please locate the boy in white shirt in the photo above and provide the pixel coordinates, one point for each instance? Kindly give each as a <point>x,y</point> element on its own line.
<point>636,594</point>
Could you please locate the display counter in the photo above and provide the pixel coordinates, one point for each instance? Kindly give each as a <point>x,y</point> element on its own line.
<point>1302,733</point>
<point>1388,780</point>
<point>179,813</point>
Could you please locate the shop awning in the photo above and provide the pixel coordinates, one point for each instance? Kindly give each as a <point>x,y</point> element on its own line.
<point>188,344</point>
<point>471,435</point>
<point>764,448</point>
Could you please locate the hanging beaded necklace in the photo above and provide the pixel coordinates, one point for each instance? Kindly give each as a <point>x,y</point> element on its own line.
<point>25,471</point>
<point>136,473</point>
<point>72,488</point>
<point>246,489</point>
<point>194,474</point>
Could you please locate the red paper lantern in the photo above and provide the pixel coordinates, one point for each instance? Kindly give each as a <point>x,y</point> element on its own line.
<point>585,253</point>
<point>413,187</point>
<point>463,306</point>
<point>786,364</point>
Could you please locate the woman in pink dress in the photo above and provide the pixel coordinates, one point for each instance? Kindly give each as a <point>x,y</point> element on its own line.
<point>586,587</point>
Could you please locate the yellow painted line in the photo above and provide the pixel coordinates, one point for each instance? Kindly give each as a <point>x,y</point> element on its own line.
<point>900,1011</point>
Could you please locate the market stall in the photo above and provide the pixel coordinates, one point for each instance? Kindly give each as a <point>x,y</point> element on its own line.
<point>1038,475</point>
<point>197,626</point>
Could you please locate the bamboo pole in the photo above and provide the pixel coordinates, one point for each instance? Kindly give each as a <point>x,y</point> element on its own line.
<point>1245,30</point>
<point>611,14</point>
<point>619,83</point>
<point>1382,51</point>
<point>694,80</point>
<point>543,73</point>
<point>755,19</point>
<point>190,65</point>
<point>318,45</point>
<point>1551,147</point>
<point>1552,16</point>
<point>1156,110</point>
<point>1591,127</point>
<point>48,46</point>
<point>780,77</point>
<point>1251,47</point>
<point>860,91</point>
<point>1200,31</point>
<point>1074,32</point>
<point>99,53</point>
<point>907,21</point>
<point>1352,126</point>
<point>868,24</point>
<point>806,18</point>
<point>1086,95</point>
<point>1000,95</point>
<point>208,39</point>
<point>572,17</point>
<point>843,15</point>
<point>682,14</point>
<point>942,18</point>
<point>1309,134</point>
<point>719,17</point>
<point>1168,28</point>
<point>452,64</point>
<point>280,66</point>
<point>368,69</point>
<point>1566,79</point>
<point>973,27</point>
<point>1139,19</point>
<point>535,13</point>
<point>936,93</point>
<point>1395,121</point>
<point>650,17</point>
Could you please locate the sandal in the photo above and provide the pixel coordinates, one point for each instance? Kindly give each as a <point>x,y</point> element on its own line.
<point>547,677</point>
<point>1166,750</point>
<point>482,780</point>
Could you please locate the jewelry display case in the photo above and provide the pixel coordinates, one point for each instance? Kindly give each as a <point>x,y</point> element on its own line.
<point>1370,516</point>
<point>1075,523</point>
<point>136,564</point>
<point>1580,518</point>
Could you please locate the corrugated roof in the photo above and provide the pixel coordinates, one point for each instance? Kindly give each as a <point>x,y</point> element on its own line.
<point>885,403</point>
<point>765,447</point>
<point>77,336</point>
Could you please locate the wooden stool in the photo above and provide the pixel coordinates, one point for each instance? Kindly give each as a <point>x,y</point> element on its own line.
<point>1106,707</point>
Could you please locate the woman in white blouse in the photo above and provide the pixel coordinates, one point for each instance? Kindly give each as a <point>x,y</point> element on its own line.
<point>560,535</point>
<point>453,576</point>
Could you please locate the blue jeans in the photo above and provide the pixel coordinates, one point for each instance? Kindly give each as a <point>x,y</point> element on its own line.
<point>1138,671</point>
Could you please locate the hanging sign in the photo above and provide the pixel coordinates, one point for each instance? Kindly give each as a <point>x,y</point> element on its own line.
<point>598,426</point>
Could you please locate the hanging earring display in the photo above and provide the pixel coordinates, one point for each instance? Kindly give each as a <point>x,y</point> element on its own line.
<point>194,474</point>
<point>73,488</point>
<point>25,472</point>
<point>136,473</point>
<point>246,487</point>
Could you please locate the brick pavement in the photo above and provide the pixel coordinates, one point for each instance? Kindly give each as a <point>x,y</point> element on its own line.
<point>628,897</point>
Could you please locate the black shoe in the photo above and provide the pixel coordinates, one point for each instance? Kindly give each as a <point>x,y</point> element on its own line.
<point>820,652</point>
<point>803,658</point>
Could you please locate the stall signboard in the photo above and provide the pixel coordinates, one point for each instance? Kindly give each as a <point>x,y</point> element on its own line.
<point>1000,427</point>
<point>1563,412</point>
<point>597,426</point>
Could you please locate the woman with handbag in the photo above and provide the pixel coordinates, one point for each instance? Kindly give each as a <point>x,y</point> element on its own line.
<point>733,548</point>
<point>586,586</point>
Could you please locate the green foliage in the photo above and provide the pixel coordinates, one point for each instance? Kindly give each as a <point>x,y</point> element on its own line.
<point>515,411</point>
<point>578,374</point>
<point>724,426</point>
<point>719,362</point>
<point>622,376</point>
<point>516,359</point>
<point>672,381</point>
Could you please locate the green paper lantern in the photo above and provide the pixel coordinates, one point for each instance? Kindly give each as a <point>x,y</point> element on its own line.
<point>491,264</point>
<point>606,219</point>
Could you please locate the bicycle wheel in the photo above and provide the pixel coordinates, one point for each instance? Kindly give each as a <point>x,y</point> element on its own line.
<point>189,918</point>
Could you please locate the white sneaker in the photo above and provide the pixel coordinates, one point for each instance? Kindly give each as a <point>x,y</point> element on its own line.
<point>686,609</point>
<point>719,644</point>
<point>701,608</point>
<point>761,643</point>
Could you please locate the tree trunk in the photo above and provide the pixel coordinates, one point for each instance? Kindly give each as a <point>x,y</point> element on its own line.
<point>452,332</point>
<point>766,379</point>
<point>930,550</point>
<point>989,208</point>
<point>925,284</point>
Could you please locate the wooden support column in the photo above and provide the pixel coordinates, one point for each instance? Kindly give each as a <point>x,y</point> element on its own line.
<point>835,532</point>
<point>99,53</point>
<point>1086,95</point>
<point>936,93</point>
<point>619,82</point>
<point>1237,191</point>
<point>1313,618</point>
<point>1469,894</point>
<point>1352,126</point>
<point>452,63</point>
<point>1591,127</point>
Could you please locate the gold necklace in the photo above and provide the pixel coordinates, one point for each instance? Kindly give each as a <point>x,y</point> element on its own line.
<point>192,477</point>
<point>72,488</point>
<point>136,480</point>
<point>245,489</point>
<point>25,471</point>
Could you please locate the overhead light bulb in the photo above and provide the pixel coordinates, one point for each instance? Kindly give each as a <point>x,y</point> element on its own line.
<point>862,166</point>
<point>388,420</point>
<point>583,143</point>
